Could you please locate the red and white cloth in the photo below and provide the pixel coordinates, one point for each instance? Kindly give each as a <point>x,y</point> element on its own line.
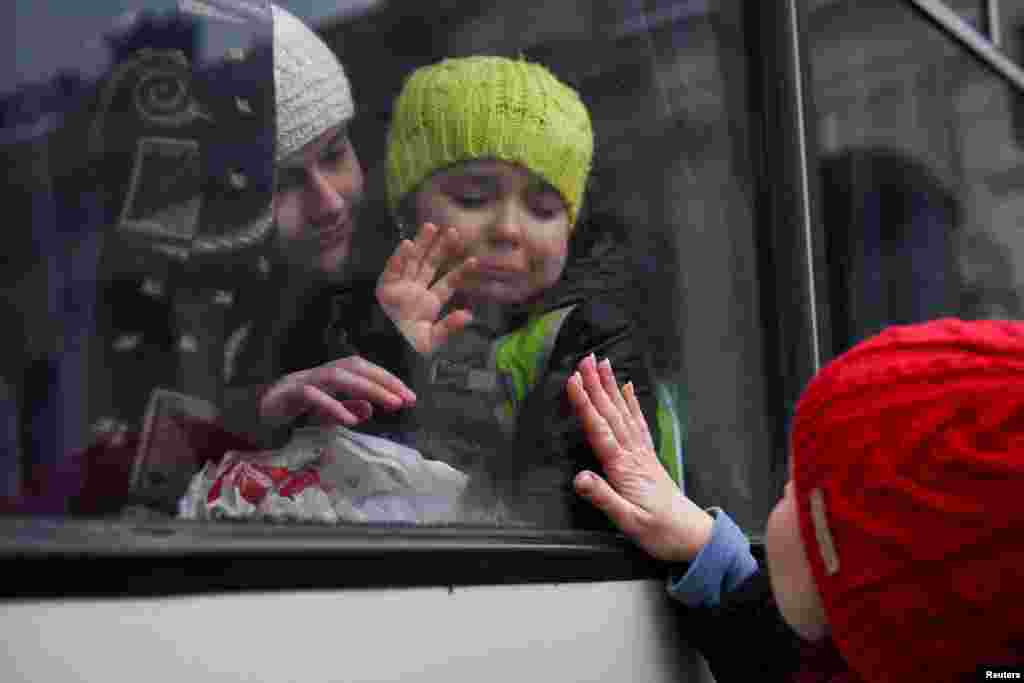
<point>327,475</point>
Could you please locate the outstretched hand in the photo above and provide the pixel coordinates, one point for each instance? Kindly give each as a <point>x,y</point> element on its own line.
<point>637,494</point>
<point>410,297</point>
<point>362,383</point>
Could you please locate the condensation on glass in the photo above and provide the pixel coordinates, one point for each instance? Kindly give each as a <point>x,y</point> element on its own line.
<point>142,333</point>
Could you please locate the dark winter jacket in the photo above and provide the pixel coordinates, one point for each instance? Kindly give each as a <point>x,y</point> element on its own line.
<point>521,477</point>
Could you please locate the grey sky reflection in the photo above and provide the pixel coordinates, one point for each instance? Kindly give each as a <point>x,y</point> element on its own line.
<point>53,35</point>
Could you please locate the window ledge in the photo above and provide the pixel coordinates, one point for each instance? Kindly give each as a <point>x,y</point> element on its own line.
<point>55,557</point>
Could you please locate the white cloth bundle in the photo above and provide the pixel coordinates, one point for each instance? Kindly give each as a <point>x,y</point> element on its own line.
<point>329,475</point>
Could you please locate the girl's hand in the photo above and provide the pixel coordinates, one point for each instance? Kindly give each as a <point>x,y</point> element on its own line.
<point>407,292</point>
<point>638,495</point>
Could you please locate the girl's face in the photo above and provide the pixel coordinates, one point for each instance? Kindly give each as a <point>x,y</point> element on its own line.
<point>514,223</point>
<point>790,573</point>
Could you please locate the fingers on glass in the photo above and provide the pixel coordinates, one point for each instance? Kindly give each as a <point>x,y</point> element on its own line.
<point>637,413</point>
<point>407,254</point>
<point>577,394</point>
<point>594,423</point>
<point>461,318</point>
<point>416,250</point>
<point>434,255</point>
<point>629,392</point>
<point>620,408</point>
<point>612,388</point>
<point>449,325</point>
<point>599,396</point>
<point>633,405</point>
<point>396,262</point>
<point>447,285</point>
<point>425,236</point>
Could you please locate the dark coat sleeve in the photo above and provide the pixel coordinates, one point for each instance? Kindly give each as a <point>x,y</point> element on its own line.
<point>551,447</point>
<point>373,336</point>
<point>744,638</point>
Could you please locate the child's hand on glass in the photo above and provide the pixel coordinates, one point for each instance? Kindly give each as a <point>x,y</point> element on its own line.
<point>409,294</point>
<point>637,493</point>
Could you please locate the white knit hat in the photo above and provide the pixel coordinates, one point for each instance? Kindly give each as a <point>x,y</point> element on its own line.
<point>312,91</point>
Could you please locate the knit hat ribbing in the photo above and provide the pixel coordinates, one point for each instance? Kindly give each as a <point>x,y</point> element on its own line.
<point>311,89</point>
<point>489,108</point>
<point>908,467</point>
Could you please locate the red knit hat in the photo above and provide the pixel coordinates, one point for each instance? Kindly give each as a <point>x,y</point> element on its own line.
<point>908,470</point>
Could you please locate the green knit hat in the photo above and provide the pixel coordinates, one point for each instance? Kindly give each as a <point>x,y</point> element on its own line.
<point>489,108</point>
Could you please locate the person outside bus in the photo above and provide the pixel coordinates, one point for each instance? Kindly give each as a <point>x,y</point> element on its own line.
<point>894,552</point>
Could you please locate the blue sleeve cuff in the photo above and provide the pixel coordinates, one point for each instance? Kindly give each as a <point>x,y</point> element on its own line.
<point>721,565</point>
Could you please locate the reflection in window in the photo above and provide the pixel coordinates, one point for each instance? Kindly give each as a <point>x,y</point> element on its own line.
<point>974,12</point>
<point>1011,25</point>
<point>921,185</point>
<point>890,230</point>
<point>201,299</point>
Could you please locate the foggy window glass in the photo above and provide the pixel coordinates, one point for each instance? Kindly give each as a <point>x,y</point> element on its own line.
<point>1011,22</point>
<point>920,172</point>
<point>199,325</point>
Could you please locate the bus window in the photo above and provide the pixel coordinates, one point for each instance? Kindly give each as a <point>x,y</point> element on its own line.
<point>222,350</point>
<point>920,189</point>
<point>1011,31</point>
<point>140,146</point>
